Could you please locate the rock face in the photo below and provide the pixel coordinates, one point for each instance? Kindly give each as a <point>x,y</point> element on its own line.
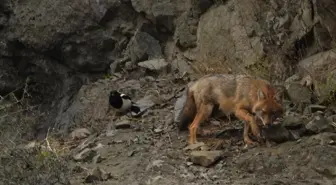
<point>70,53</point>
<point>61,45</point>
<point>234,24</point>
<point>321,69</point>
<point>9,79</point>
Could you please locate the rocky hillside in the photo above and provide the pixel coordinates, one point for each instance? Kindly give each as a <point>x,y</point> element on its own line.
<point>59,59</point>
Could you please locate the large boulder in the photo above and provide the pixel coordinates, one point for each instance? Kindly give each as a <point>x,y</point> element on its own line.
<point>144,47</point>
<point>42,24</point>
<point>91,103</point>
<point>320,70</point>
<point>71,31</point>
<point>163,13</point>
<point>91,51</point>
<point>325,15</point>
<point>231,32</point>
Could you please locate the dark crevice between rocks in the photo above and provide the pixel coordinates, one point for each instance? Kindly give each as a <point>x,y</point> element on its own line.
<point>109,16</point>
<point>47,90</point>
<point>302,46</point>
<point>204,5</point>
<point>55,53</point>
<point>156,31</point>
<point>312,8</point>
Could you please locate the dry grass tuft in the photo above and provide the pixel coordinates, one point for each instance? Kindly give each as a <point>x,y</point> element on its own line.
<point>210,67</point>
<point>325,82</point>
<point>25,162</point>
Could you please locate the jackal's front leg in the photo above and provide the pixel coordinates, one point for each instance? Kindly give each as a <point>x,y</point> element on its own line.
<point>244,115</point>
<point>247,139</point>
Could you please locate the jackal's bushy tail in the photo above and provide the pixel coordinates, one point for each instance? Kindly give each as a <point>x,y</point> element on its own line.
<point>188,112</point>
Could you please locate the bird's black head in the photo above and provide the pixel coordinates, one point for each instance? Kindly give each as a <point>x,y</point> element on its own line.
<point>114,93</point>
<point>115,99</point>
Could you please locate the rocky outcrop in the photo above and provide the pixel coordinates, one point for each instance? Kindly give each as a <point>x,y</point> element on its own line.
<point>231,31</point>
<point>316,74</point>
<point>71,53</point>
<point>62,45</point>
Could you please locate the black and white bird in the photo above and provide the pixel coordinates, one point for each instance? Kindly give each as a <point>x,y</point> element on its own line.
<point>122,103</point>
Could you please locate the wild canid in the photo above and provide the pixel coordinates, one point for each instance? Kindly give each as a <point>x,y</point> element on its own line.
<point>248,98</point>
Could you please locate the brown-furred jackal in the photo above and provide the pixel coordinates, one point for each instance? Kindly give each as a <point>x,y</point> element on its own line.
<point>248,98</point>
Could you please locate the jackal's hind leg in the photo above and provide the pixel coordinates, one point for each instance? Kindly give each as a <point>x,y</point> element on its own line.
<point>203,112</point>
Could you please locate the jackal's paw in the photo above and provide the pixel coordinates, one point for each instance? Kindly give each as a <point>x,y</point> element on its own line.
<point>249,141</point>
<point>192,142</point>
<point>256,131</point>
<point>249,146</point>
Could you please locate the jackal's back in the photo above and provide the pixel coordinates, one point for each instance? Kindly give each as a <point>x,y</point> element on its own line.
<point>212,88</point>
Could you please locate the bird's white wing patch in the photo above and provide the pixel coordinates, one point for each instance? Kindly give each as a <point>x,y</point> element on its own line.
<point>126,105</point>
<point>124,96</point>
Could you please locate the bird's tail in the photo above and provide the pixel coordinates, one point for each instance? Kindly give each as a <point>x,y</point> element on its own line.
<point>135,109</point>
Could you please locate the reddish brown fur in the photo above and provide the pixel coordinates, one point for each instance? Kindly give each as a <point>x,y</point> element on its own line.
<point>241,95</point>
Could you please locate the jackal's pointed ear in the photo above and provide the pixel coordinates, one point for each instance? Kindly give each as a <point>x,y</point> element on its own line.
<point>260,95</point>
<point>279,96</point>
<point>280,93</point>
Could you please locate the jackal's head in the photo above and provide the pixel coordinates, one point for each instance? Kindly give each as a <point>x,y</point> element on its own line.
<point>268,107</point>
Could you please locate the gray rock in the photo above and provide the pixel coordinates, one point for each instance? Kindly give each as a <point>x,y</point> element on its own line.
<point>30,145</point>
<point>186,30</point>
<point>80,133</point>
<point>97,159</point>
<point>313,108</point>
<point>278,133</point>
<point>3,20</point>
<point>325,138</point>
<point>322,36</point>
<point>164,13</point>
<point>85,155</point>
<point>332,118</point>
<point>93,51</point>
<point>144,104</point>
<point>325,16</point>
<point>318,67</point>
<point>158,130</point>
<point>45,27</point>
<point>156,164</point>
<point>87,143</point>
<point>110,133</point>
<point>298,93</point>
<point>154,64</point>
<point>292,121</point>
<point>144,47</point>
<point>123,124</point>
<point>320,124</point>
<point>220,25</point>
<point>97,174</point>
<point>181,65</point>
<point>194,146</point>
<point>78,169</point>
<point>205,158</point>
<point>141,5</point>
